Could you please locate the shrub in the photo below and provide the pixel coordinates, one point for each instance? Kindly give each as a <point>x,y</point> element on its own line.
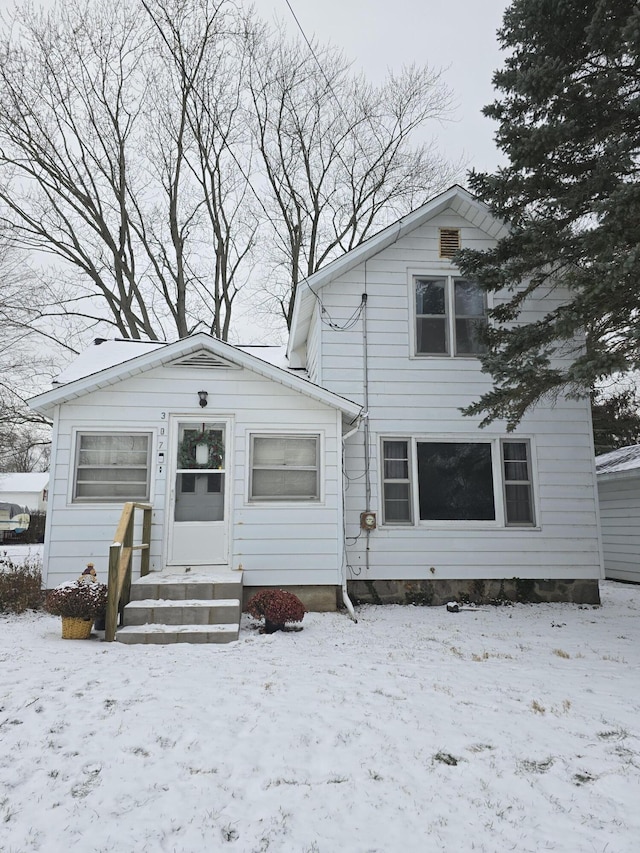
<point>20,585</point>
<point>75,598</point>
<point>277,607</point>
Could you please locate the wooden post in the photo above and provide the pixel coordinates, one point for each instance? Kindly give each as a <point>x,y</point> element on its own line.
<point>146,540</point>
<point>111,617</point>
<point>125,595</point>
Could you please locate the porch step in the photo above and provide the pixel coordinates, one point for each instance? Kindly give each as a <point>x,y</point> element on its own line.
<point>179,587</point>
<point>193,611</point>
<point>183,608</point>
<point>155,634</point>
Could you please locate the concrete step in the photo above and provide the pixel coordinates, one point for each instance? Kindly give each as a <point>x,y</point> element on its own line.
<point>155,634</point>
<point>186,587</point>
<point>194,611</point>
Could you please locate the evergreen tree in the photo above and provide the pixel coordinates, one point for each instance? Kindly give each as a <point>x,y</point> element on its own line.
<point>616,420</point>
<point>568,113</point>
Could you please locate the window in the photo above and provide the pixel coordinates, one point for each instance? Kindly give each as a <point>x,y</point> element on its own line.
<point>518,490</point>
<point>112,466</point>
<point>450,316</point>
<point>285,468</point>
<point>396,483</point>
<point>454,481</point>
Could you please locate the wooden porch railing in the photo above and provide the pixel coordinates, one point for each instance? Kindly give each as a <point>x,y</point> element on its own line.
<point>120,554</point>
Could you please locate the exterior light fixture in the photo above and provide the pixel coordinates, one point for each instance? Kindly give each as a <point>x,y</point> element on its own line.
<point>203,398</point>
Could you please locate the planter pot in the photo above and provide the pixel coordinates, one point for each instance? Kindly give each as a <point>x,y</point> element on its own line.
<point>74,628</point>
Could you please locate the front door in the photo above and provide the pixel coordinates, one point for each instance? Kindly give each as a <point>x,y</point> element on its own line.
<point>197,505</point>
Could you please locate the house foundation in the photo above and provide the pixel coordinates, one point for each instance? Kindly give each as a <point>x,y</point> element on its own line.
<point>489,591</point>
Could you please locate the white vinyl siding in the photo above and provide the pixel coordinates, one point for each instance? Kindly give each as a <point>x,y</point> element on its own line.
<point>619,496</point>
<point>275,542</point>
<point>285,468</point>
<point>111,466</point>
<point>422,397</point>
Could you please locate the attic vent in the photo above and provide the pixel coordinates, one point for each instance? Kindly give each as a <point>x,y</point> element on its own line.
<point>449,242</point>
<point>201,359</point>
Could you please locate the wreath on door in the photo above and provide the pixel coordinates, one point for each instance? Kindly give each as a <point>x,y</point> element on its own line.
<point>191,439</point>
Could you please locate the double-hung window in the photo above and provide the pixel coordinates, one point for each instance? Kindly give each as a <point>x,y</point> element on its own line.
<point>112,466</point>
<point>518,487</point>
<point>450,316</point>
<point>433,481</point>
<point>285,468</point>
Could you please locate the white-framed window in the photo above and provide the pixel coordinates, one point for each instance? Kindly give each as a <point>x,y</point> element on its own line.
<point>396,477</point>
<point>450,316</point>
<point>112,466</point>
<point>518,484</point>
<point>285,468</point>
<point>433,480</point>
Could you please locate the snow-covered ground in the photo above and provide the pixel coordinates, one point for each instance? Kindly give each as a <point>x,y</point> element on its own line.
<point>512,728</point>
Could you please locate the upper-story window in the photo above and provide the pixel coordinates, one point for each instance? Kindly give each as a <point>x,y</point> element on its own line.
<point>450,316</point>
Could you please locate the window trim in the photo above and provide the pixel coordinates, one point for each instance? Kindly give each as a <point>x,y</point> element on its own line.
<point>287,499</point>
<point>449,275</point>
<point>497,471</point>
<point>77,434</point>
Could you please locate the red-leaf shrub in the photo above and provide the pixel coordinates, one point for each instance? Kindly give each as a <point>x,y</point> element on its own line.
<point>74,598</point>
<point>277,607</point>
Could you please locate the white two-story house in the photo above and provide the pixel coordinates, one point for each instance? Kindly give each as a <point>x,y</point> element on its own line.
<point>341,466</point>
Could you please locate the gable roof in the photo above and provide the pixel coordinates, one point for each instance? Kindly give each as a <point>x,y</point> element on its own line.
<point>159,354</point>
<point>624,462</point>
<point>455,198</point>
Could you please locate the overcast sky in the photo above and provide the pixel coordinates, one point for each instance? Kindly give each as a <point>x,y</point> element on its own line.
<point>379,34</point>
<point>458,37</point>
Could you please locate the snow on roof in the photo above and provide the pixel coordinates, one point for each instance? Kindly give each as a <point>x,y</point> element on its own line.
<point>623,459</point>
<point>103,354</point>
<point>31,482</point>
<point>107,353</point>
<point>275,355</point>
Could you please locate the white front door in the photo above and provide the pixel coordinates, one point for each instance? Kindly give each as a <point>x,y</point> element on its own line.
<point>198,502</point>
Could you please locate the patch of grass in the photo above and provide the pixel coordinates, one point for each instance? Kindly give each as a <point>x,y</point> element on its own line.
<point>583,778</point>
<point>561,653</point>
<point>446,758</point>
<point>537,766</point>
<point>537,707</point>
<point>613,734</point>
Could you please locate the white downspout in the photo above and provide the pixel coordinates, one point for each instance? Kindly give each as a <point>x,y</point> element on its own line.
<point>345,595</point>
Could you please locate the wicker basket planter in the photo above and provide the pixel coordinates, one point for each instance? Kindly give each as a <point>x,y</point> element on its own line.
<point>78,603</point>
<point>75,628</point>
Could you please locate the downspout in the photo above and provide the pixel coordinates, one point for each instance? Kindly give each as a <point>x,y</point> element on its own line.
<point>345,595</point>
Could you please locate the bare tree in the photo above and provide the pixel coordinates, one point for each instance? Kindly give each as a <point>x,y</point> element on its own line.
<point>99,165</point>
<point>158,150</point>
<point>24,366</point>
<point>337,152</point>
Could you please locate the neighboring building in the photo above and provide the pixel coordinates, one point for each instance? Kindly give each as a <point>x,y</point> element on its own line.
<point>27,490</point>
<point>619,496</point>
<point>345,461</point>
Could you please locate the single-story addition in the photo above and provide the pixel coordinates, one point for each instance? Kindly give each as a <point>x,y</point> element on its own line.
<point>27,490</point>
<point>619,497</point>
<point>341,466</point>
